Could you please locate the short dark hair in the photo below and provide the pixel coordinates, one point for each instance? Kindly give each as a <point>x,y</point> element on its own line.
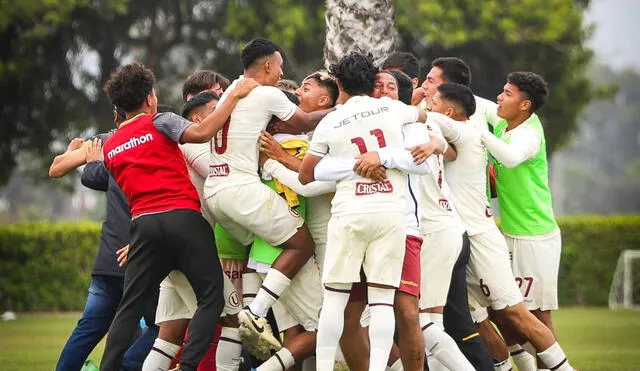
<point>256,49</point>
<point>405,86</point>
<point>287,84</point>
<point>453,70</point>
<point>533,85</point>
<point>129,86</point>
<point>459,94</point>
<point>403,61</point>
<point>203,80</point>
<point>197,101</point>
<point>122,116</point>
<point>356,73</point>
<point>326,81</point>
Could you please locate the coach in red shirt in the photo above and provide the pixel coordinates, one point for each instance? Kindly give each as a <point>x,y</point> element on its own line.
<point>167,230</point>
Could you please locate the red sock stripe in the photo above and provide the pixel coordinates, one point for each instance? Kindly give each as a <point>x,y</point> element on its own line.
<point>337,290</point>
<point>222,338</point>
<point>558,365</point>
<point>427,326</point>
<point>378,304</point>
<point>161,352</point>
<point>270,292</point>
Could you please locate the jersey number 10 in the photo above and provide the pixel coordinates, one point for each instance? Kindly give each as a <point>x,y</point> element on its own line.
<point>362,147</point>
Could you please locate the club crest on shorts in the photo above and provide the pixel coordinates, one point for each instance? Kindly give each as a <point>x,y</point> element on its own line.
<point>234,299</point>
<point>294,212</point>
<point>444,203</point>
<point>363,189</point>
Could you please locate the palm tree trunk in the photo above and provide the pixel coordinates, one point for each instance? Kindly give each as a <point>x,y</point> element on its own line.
<point>359,25</point>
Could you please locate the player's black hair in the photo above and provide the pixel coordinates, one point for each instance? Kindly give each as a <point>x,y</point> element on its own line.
<point>403,61</point>
<point>453,70</point>
<point>292,97</point>
<point>196,101</point>
<point>533,85</point>
<point>203,80</point>
<point>129,86</point>
<point>459,94</point>
<point>356,73</point>
<point>328,82</point>
<point>256,49</point>
<point>404,84</point>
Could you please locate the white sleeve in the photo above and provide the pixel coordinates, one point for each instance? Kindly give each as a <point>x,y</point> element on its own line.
<point>277,103</point>
<point>197,156</point>
<point>451,129</point>
<point>401,159</point>
<point>333,168</point>
<point>319,145</point>
<point>523,145</point>
<point>407,114</point>
<point>290,179</point>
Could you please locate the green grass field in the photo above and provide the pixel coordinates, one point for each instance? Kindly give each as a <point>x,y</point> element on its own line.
<point>596,339</point>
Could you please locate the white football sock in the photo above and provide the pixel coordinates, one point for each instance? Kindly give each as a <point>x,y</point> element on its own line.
<point>281,361</point>
<point>160,356</point>
<point>440,345</point>
<point>523,360</point>
<point>229,349</point>
<point>330,324</point>
<point>382,326</point>
<point>397,366</point>
<point>555,358</point>
<point>272,287</point>
<point>530,349</point>
<point>503,365</point>
<point>251,283</point>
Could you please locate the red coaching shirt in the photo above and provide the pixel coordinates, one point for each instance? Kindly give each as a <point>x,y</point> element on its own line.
<point>144,157</point>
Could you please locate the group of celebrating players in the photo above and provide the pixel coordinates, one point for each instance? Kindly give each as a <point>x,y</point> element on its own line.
<point>351,216</point>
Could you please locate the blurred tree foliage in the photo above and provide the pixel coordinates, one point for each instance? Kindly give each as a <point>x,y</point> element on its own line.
<point>56,55</point>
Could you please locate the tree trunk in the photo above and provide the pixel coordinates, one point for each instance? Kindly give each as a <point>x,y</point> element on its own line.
<point>359,25</point>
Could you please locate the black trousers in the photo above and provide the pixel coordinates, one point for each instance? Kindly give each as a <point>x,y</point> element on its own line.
<point>176,239</point>
<point>457,320</point>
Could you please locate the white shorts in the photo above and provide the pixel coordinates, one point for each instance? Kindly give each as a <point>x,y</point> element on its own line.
<point>439,253</point>
<point>375,242</point>
<point>252,210</point>
<point>489,277</point>
<point>302,300</point>
<point>284,320</point>
<point>178,301</point>
<point>535,266</point>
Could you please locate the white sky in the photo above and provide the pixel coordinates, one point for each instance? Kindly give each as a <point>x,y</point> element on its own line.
<point>616,38</point>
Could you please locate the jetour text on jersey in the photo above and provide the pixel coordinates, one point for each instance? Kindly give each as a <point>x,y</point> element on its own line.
<point>361,115</point>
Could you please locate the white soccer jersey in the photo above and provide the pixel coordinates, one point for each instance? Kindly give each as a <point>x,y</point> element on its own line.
<point>467,175</point>
<point>235,149</point>
<point>436,208</point>
<point>360,125</point>
<point>197,155</point>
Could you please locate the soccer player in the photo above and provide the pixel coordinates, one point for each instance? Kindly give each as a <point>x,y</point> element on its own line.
<point>240,202</point>
<point>200,81</point>
<point>177,300</point>
<point>107,277</point>
<point>407,63</point>
<point>489,276</point>
<point>167,228</point>
<point>455,70</point>
<point>406,298</point>
<point>367,226</point>
<point>526,211</point>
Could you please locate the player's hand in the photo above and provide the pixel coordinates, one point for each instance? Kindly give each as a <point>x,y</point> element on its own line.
<point>262,158</point>
<point>244,87</point>
<point>93,150</point>
<point>366,164</point>
<point>270,147</point>
<point>418,96</point>
<point>75,144</point>
<point>379,174</point>
<point>422,152</point>
<point>123,255</point>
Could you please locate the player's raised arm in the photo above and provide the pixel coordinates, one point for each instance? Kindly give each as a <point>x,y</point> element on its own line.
<point>204,131</point>
<point>307,121</point>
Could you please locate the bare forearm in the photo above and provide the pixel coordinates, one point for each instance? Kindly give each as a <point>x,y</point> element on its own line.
<point>207,129</point>
<point>64,163</point>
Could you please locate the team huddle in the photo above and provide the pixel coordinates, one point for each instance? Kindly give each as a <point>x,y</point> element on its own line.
<point>347,217</point>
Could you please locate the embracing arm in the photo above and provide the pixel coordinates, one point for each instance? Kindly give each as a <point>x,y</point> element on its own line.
<point>290,179</point>
<point>524,145</point>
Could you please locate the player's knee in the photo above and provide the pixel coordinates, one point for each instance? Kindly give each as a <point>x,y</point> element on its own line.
<point>173,331</point>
